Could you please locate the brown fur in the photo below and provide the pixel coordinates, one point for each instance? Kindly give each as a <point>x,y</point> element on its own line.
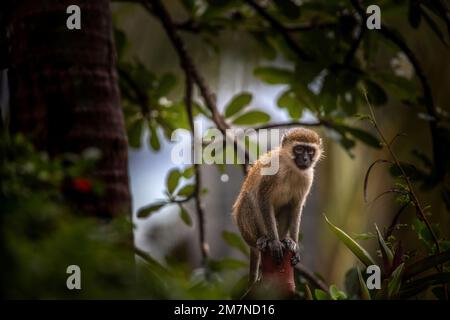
<point>270,205</point>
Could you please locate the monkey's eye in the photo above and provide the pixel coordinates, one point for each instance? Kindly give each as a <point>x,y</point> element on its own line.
<point>299,149</point>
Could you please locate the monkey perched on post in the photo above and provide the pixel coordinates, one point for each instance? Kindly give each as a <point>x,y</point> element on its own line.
<point>269,207</point>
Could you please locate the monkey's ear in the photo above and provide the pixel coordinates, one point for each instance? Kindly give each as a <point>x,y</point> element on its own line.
<point>284,136</point>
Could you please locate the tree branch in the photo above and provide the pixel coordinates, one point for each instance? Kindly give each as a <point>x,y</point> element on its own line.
<point>426,88</point>
<point>311,277</point>
<point>186,61</point>
<point>204,248</point>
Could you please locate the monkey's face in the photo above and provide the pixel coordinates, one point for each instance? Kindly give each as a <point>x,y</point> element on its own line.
<point>304,155</point>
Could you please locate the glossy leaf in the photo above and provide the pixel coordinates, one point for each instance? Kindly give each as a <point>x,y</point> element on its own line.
<point>395,281</point>
<point>272,75</point>
<point>173,179</point>
<point>238,103</point>
<point>184,215</point>
<point>365,295</point>
<point>354,247</point>
<point>186,191</point>
<point>251,118</point>
<point>146,211</point>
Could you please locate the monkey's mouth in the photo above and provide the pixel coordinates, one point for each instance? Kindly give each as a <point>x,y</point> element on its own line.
<point>302,165</point>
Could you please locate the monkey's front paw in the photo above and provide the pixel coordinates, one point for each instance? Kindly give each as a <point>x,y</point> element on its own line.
<point>262,243</point>
<point>274,246</point>
<point>289,244</point>
<point>295,258</point>
<point>276,250</point>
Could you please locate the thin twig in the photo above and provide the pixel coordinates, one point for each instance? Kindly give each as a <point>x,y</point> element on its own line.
<point>289,124</point>
<point>426,88</point>
<point>188,65</point>
<point>186,61</point>
<point>354,47</point>
<point>412,193</point>
<point>311,277</point>
<point>197,173</point>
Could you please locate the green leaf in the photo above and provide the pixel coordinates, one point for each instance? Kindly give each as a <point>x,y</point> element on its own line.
<point>166,84</point>
<point>186,191</point>
<point>395,281</point>
<point>365,295</point>
<point>289,101</point>
<point>376,93</point>
<point>184,215</point>
<point>411,288</point>
<point>251,118</point>
<point>238,102</point>
<point>146,211</point>
<point>386,252</point>
<point>135,133</point>
<point>321,295</point>
<point>173,178</point>
<point>235,241</point>
<point>354,247</point>
<point>188,172</point>
<point>272,75</point>
<point>426,264</point>
<point>153,139</point>
<point>337,294</point>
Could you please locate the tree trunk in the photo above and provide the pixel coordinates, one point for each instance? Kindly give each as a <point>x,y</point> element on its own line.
<point>64,92</point>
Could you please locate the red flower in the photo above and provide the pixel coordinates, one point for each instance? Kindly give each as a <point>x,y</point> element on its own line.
<point>82,185</point>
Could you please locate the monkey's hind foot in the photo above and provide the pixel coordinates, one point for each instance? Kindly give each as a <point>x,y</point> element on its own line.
<point>293,247</point>
<point>274,246</point>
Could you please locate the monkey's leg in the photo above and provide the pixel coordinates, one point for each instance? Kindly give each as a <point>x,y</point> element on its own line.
<point>255,258</point>
<point>271,241</point>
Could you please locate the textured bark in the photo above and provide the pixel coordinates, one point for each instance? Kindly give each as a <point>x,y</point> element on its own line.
<point>64,92</point>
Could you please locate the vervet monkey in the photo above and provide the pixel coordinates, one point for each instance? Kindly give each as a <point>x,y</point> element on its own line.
<point>269,207</point>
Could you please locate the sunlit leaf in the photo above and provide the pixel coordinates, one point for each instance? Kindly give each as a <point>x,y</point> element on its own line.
<point>386,252</point>
<point>395,281</point>
<point>238,102</point>
<point>354,247</point>
<point>251,118</point>
<point>337,294</point>
<point>321,295</point>
<point>172,180</point>
<point>365,295</point>
<point>185,216</point>
<point>272,75</point>
<point>186,191</point>
<point>146,211</point>
<point>153,139</point>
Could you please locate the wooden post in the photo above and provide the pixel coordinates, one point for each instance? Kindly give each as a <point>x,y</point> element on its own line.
<point>277,279</point>
<point>280,277</point>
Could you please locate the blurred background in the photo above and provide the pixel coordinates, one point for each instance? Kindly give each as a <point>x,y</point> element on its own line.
<point>338,188</point>
<point>280,63</point>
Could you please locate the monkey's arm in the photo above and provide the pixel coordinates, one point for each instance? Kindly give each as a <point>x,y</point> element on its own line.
<point>294,228</point>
